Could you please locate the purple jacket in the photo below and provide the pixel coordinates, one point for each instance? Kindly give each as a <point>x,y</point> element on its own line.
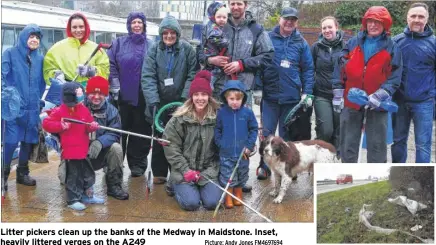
<point>126,56</point>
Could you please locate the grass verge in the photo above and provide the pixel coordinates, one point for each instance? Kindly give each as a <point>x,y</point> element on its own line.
<point>338,216</point>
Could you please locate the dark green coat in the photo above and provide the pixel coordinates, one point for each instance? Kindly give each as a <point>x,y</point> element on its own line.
<point>192,147</point>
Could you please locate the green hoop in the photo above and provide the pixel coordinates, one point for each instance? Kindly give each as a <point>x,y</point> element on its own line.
<point>160,111</point>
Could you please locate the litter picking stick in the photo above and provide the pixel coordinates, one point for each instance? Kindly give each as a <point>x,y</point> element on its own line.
<point>228,183</point>
<point>149,181</point>
<point>118,130</point>
<point>295,109</point>
<point>100,45</point>
<point>361,135</point>
<point>246,205</point>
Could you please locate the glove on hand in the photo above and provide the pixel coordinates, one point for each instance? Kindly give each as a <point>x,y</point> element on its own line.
<point>59,75</point>
<point>86,70</point>
<point>150,108</point>
<point>94,149</point>
<point>338,100</point>
<point>114,88</point>
<point>308,102</point>
<point>375,99</point>
<point>65,125</point>
<point>257,95</point>
<point>93,126</point>
<point>192,176</point>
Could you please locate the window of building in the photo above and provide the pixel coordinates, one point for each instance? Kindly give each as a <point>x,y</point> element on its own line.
<point>8,38</point>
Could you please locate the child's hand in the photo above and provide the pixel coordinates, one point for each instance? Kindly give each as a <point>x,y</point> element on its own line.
<point>93,126</point>
<point>247,152</point>
<point>65,125</point>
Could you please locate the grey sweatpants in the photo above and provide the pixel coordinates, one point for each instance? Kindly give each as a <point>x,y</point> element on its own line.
<point>350,131</point>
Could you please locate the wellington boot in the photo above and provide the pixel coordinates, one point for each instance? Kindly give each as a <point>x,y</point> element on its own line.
<point>238,193</point>
<point>229,199</point>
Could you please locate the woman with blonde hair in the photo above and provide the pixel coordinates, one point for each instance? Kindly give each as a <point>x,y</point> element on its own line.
<point>192,152</point>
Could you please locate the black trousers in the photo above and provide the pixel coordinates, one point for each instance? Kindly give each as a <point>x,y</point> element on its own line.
<point>133,120</point>
<point>80,176</point>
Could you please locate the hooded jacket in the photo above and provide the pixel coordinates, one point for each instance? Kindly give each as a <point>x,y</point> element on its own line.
<point>285,85</point>
<point>192,148</point>
<point>75,140</point>
<point>177,62</point>
<point>419,65</point>
<point>253,52</point>
<point>126,57</point>
<point>67,54</point>
<point>235,129</point>
<point>107,116</point>
<point>325,54</point>
<point>22,69</point>
<point>382,70</point>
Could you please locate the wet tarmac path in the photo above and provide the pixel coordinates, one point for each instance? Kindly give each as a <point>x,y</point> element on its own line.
<point>46,201</point>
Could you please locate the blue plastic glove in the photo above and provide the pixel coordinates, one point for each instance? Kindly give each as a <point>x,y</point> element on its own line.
<point>375,99</point>
<point>86,70</point>
<point>338,100</point>
<point>59,75</point>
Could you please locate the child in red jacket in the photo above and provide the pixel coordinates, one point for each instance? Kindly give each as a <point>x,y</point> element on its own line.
<point>75,143</point>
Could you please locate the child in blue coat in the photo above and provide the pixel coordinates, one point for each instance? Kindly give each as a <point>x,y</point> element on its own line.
<point>236,130</point>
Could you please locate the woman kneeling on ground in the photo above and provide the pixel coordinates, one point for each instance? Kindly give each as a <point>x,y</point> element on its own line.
<point>192,152</point>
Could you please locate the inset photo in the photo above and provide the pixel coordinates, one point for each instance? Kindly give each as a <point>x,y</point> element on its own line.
<point>377,203</point>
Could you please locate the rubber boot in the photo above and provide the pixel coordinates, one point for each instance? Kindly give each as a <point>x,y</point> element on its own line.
<point>238,193</point>
<point>263,172</point>
<point>229,199</point>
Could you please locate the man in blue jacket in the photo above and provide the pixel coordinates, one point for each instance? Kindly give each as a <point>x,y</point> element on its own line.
<point>416,96</point>
<point>287,80</point>
<point>105,149</point>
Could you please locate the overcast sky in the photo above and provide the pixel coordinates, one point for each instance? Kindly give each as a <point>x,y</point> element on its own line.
<point>359,171</point>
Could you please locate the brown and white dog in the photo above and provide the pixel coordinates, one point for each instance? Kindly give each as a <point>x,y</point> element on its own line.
<point>287,159</point>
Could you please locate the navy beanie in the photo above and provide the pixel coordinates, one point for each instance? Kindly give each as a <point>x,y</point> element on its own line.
<point>69,96</point>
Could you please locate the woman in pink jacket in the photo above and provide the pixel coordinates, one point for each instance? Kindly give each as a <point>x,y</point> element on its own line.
<point>75,143</point>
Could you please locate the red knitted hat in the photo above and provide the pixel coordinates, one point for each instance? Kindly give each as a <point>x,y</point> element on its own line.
<point>98,84</point>
<point>201,83</point>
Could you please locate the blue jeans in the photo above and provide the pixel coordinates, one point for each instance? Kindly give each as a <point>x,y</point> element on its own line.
<point>226,168</point>
<point>422,115</point>
<point>273,114</point>
<point>189,195</point>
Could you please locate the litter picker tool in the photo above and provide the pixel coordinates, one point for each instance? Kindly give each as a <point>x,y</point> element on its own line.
<point>290,117</point>
<point>100,45</point>
<point>149,182</point>
<point>228,183</point>
<point>119,130</point>
<point>245,204</point>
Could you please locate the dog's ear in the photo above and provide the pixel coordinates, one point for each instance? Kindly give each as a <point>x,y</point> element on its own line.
<point>283,151</point>
<point>262,146</point>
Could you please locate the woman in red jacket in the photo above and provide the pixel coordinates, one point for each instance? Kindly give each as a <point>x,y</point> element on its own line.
<point>75,143</point>
<point>372,62</point>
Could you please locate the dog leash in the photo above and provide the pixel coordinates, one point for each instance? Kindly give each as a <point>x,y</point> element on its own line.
<point>231,194</point>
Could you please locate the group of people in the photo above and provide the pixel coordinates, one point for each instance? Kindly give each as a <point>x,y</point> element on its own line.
<point>125,87</point>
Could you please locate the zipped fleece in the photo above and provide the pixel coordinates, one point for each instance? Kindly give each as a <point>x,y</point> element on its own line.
<point>235,129</point>
<point>383,69</point>
<point>419,65</point>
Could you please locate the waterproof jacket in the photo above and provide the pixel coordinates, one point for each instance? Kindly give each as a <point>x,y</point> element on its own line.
<point>248,43</point>
<point>325,55</point>
<point>126,57</point>
<point>67,54</point>
<point>383,69</point>
<point>177,62</point>
<point>284,85</point>
<point>107,116</point>
<point>75,140</point>
<point>235,129</point>
<point>419,65</point>
<point>22,69</point>
<point>192,148</point>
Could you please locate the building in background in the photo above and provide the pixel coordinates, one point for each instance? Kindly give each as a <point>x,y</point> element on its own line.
<point>184,10</point>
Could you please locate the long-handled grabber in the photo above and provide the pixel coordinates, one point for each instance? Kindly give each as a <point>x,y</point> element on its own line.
<point>100,45</point>
<point>228,184</point>
<point>231,194</point>
<point>119,131</point>
<point>149,182</point>
<point>361,134</point>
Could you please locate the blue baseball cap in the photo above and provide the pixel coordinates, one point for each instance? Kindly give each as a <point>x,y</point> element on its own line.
<point>289,12</point>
